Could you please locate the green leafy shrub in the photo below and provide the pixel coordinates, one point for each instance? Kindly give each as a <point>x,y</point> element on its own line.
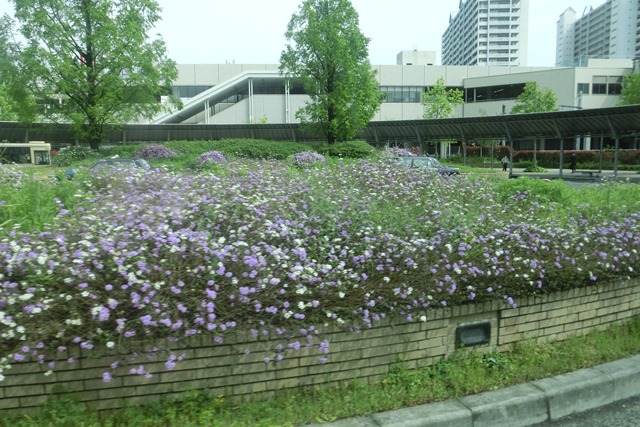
<point>349,150</point>
<point>542,191</point>
<point>258,149</point>
<point>73,155</point>
<point>533,168</point>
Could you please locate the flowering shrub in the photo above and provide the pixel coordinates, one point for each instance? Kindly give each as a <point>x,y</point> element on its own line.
<point>155,152</point>
<point>12,177</point>
<point>71,155</point>
<point>210,157</point>
<point>173,256</point>
<point>307,158</point>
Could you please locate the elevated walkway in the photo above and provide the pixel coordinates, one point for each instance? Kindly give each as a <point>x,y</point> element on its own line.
<point>216,97</point>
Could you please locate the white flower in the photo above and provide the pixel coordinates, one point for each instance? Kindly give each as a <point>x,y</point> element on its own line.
<point>341,294</point>
<point>423,318</point>
<point>111,344</point>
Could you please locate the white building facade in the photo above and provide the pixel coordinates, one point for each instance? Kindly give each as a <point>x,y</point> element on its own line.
<point>240,94</point>
<point>487,33</point>
<point>610,31</point>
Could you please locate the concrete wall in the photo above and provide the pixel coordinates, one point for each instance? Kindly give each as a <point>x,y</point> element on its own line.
<point>226,369</point>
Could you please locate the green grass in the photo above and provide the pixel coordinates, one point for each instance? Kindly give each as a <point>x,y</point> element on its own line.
<point>464,372</point>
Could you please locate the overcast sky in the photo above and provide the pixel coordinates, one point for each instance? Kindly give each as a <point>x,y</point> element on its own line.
<point>252,31</point>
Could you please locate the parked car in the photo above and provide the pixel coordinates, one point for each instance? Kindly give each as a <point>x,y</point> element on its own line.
<point>429,163</point>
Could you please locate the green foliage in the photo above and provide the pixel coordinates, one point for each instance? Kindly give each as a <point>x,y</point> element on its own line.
<point>257,149</point>
<point>542,191</point>
<point>329,55</point>
<point>535,100</point>
<point>29,201</point>
<point>440,102</point>
<point>10,87</point>
<point>72,156</point>
<point>534,168</point>
<point>349,150</point>
<point>587,159</point>
<point>90,63</point>
<point>630,89</point>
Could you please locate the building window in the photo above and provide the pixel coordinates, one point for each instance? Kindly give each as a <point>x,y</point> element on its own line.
<point>614,85</point>
<point>599,85</point>
<point>607,85</point>
<point>583,88</point>
<point>400,94</point>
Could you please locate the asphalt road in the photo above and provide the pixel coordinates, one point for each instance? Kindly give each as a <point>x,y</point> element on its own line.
<point>625,413</point>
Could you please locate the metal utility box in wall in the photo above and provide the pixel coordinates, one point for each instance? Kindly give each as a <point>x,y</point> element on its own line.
<point>473,334</point>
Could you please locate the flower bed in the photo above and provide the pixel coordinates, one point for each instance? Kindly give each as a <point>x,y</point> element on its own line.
<point>164,255</point>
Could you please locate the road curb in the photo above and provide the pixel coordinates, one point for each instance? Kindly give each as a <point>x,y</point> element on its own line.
<point>521,405</point>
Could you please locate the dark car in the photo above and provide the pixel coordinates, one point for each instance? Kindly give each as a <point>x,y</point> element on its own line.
<point>429,163</point>
<point>119,163</point>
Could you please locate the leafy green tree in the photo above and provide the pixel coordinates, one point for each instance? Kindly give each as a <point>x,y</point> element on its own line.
<point>8,72</point>
<point>630,89</point>
<point>535,100</point>
<point>440,102</point>
<point>91,63</point>
<point>327,52</point>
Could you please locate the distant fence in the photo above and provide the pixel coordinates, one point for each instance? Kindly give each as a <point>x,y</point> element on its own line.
<point>225,369</point>
<point>61,134</point>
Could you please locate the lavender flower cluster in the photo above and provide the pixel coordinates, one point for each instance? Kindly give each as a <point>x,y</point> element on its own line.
<point>307,158</point>
<point>210,157</point>
<point>175,255</point>
<point>12,176</point>
<point>155,152</point>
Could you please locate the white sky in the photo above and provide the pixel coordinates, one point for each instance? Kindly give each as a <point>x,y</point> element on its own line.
<point>252,31</point>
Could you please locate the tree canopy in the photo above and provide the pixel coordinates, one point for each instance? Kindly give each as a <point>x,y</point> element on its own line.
<point>439,102</point>
<point>8,73</point>
<point>327,52</point>
<point>90,63</point>
<point>535,100</point>
<point>630,89</point>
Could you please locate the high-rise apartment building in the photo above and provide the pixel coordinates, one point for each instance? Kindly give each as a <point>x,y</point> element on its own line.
<point>610,31</point>
<point>487,32</point>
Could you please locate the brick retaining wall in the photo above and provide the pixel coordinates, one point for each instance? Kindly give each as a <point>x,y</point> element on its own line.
<point>368,355</point>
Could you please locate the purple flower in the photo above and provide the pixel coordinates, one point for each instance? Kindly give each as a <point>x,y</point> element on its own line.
<point>155,152</point>
<point>210,157</point>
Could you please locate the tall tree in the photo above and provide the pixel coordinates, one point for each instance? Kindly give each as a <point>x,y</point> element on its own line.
<point>327,52</point>
<point>440,102</point>
<point>91,62</point>
<point>630,89</point>
<point>10,89</point>
<point>535,100</point>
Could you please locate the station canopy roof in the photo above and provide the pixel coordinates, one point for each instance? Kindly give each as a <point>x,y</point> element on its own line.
<point>623,121</point>
<point>620,121</point>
